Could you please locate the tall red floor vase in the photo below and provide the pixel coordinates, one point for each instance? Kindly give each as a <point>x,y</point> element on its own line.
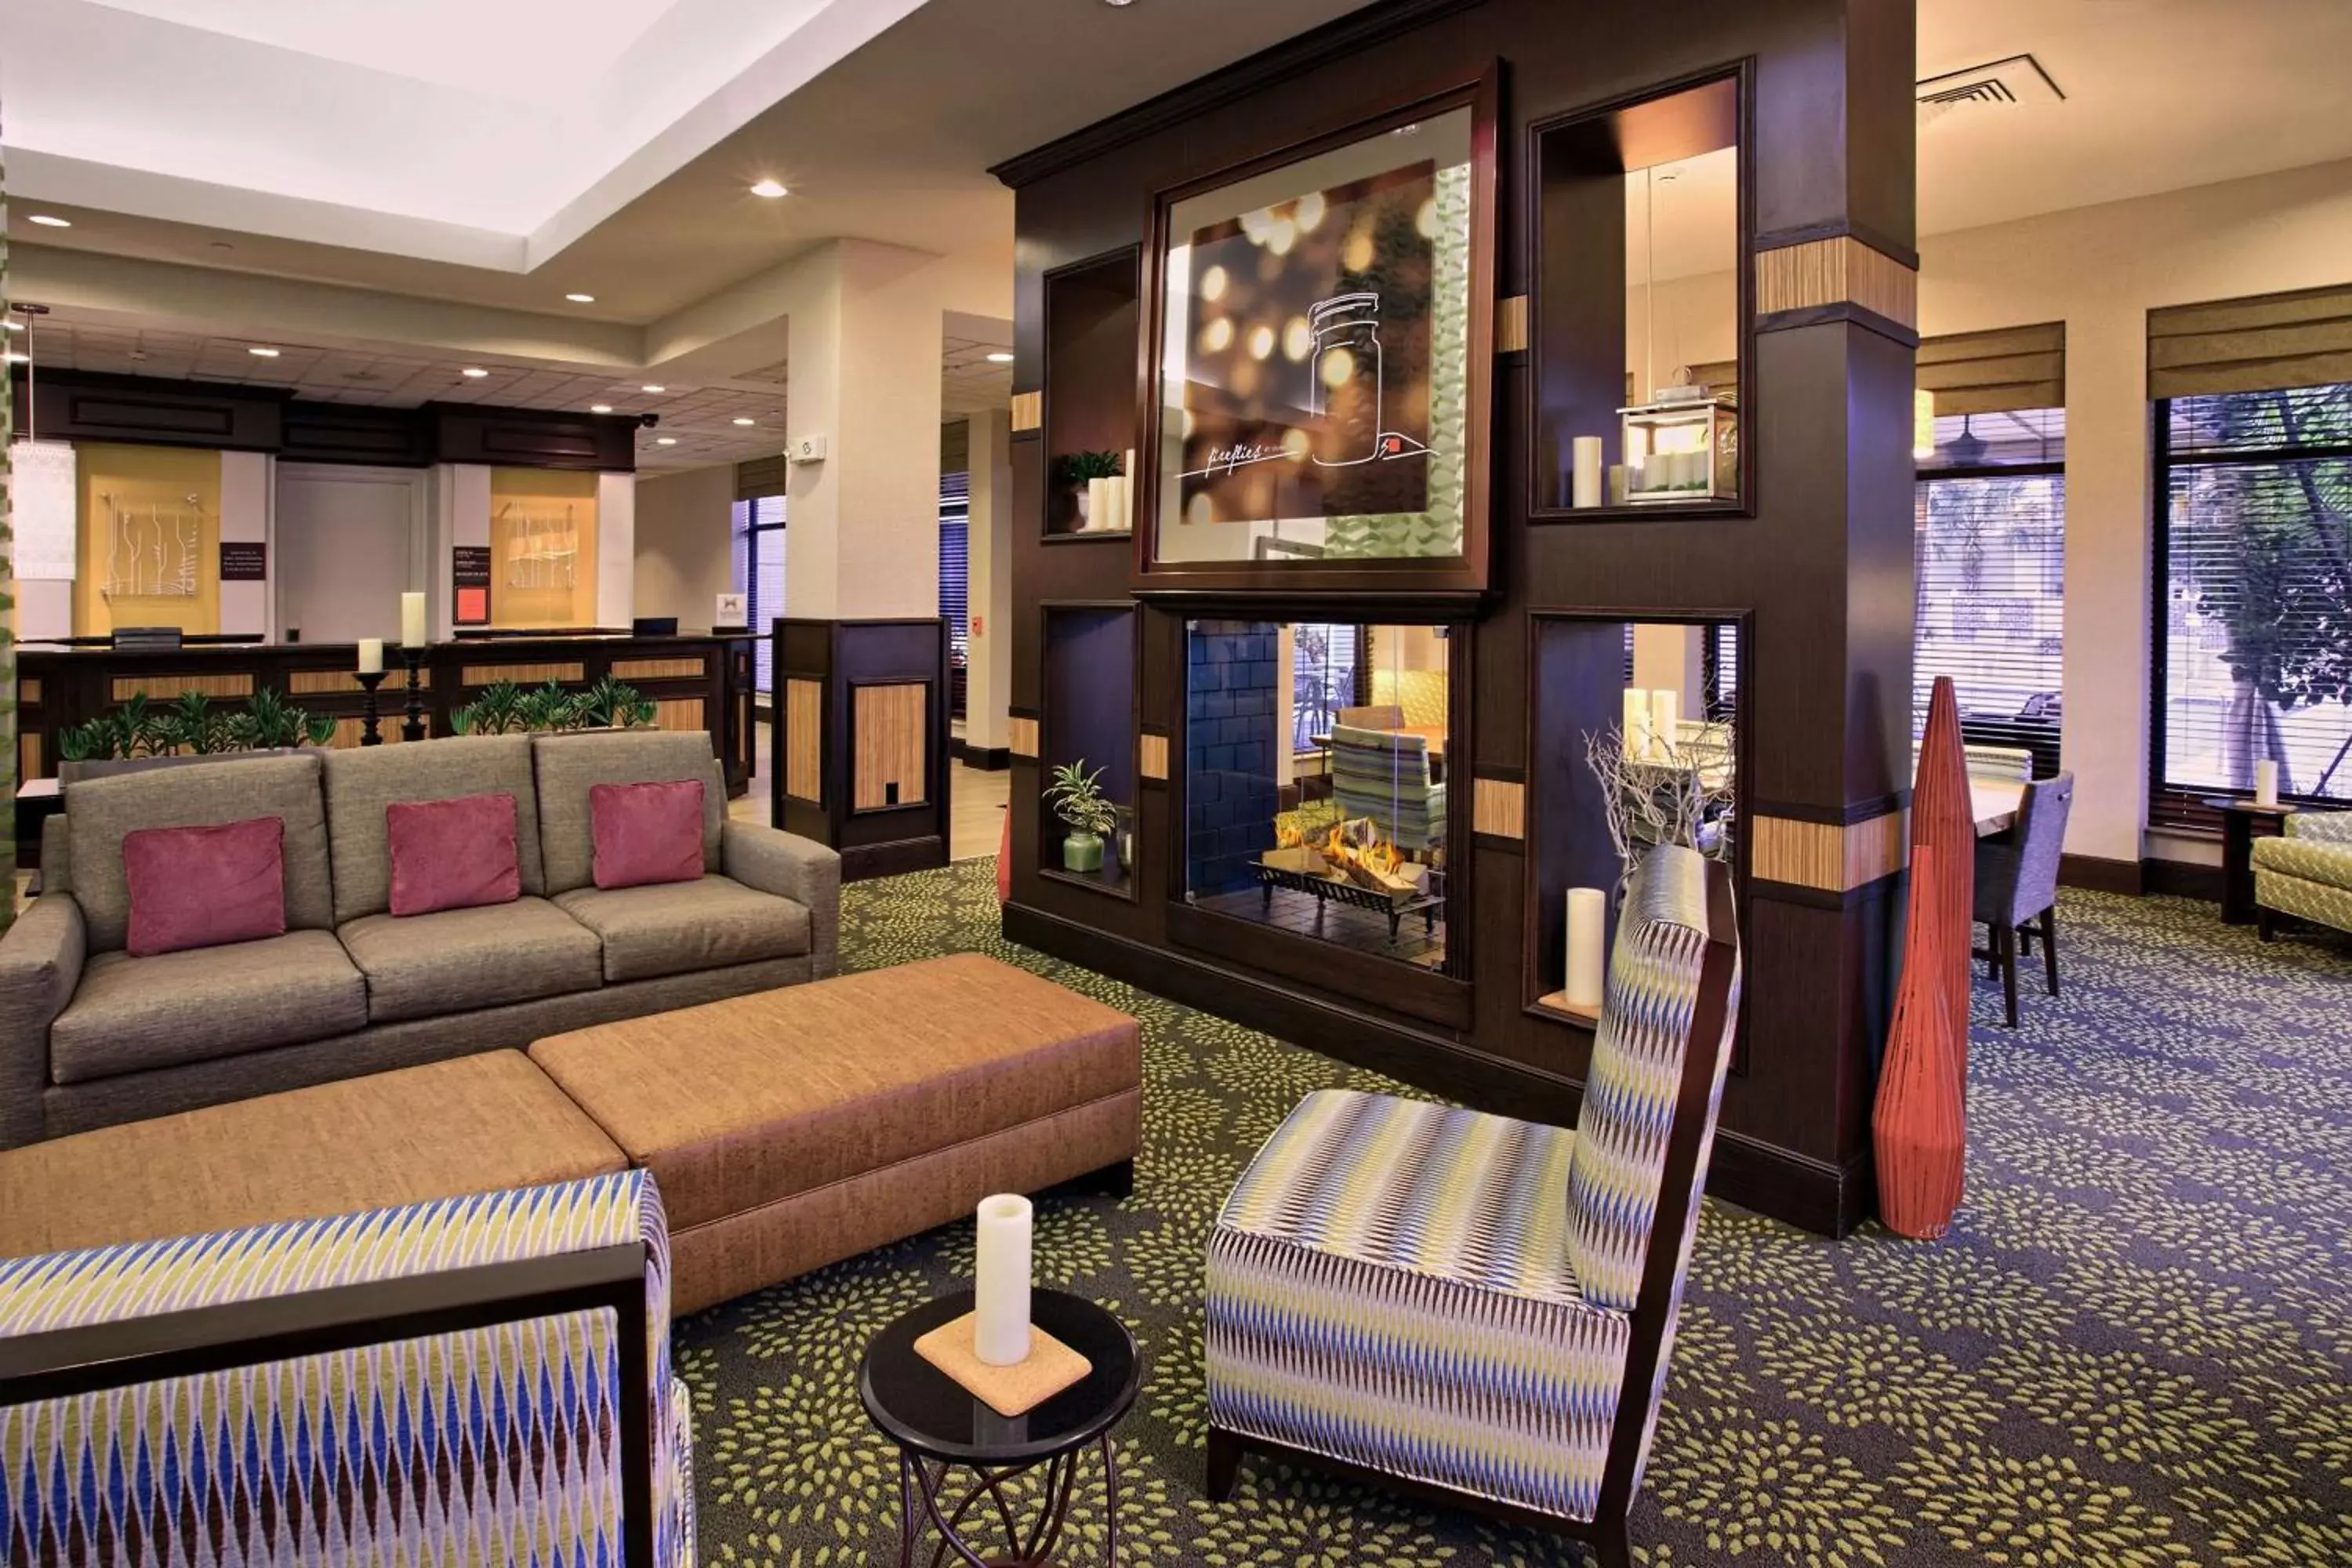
<point>1919,1127</point>
<point>1004,862</point>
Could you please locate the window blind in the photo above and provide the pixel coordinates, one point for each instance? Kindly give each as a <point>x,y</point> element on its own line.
<point>2272,343</point>
<point>760,477</point>
<point>1991,373</point>
<point>955,581</point>
<point>759,576</point>
<point>2255,597</point>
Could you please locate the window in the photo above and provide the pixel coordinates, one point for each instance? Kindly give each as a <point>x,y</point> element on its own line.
<point>2253,632</point>
<point>1324,674</point>
<point>955,580</point>
<point>1989,526</point>
<point>759,529</point>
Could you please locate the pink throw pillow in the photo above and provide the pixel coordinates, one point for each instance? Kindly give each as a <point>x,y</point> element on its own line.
<point>645,833</point>
<point>203,887</point>
<point>451,854</point>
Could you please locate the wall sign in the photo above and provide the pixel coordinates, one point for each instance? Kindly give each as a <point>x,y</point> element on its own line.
<point>243,560</point>
<point>469,574</point>
<point>41,487</point>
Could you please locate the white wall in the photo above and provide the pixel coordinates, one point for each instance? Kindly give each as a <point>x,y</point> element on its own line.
<point>988,684</point>
<point>348,540</point>
<point>616,550</point>
<point>684,544</point>
<point>461,515</point>
<point>2100,269</point>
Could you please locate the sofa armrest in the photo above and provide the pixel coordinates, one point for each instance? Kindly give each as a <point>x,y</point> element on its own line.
<point>2320,826</point>
<point>791,866</point>
<point>40,964</point>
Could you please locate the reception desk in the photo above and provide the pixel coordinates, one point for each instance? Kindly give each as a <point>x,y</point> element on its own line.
<point>695,682</point>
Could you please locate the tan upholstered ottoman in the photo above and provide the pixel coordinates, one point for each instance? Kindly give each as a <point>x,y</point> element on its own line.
<point>794,1127</point>
<point>472,1125</point>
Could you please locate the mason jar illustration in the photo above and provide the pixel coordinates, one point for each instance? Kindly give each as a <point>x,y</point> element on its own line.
<point>1345,362</point>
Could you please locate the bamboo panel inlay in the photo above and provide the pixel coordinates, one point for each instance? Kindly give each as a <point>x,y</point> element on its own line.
<point>28,758</point>
<point>28,693</point>
<point>1825,857</point>
<point>1021,737</point>
<point>804,741</point>
<point>163,688</point>
<point>521,674</point>
<point>1153,763</point>
<point>887,726</point>
<point>658,668</point>
<point>1498,807</point>
<point>680,713</point>
<point>1028,410</point>
<point>328,682</point>
<point>1834,272</point>
<point>1511,324</point>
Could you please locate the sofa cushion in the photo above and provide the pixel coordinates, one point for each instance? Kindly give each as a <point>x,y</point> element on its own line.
<point>646,832</point>
<point>204,887</point>
<point>672,927</point>
<point>480,1123</point>
<point>460,960</point>
<point>129,1014</point>
<point>362,781</point>
<point>570,766</point>
<point>100,811</point>
<point>453,854</point>
<point>2313,859</point>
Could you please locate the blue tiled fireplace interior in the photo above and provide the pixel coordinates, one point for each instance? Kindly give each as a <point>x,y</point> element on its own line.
<point>1231,718</point>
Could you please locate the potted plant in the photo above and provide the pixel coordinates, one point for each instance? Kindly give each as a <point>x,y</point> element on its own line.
<point>1078,471</point>
<point>140,735</point>
<point>1077,798</point>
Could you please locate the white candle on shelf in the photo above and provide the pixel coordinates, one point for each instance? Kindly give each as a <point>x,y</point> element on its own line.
<point>411,620</point>
<point>2266,781</point>
<point>1099,505</point>
<point>1126,491</point>
<point>1116,488</point>
<point>1637,722</point>
<point>1587,920</point>
<point>1000,1281</point>
<point>1584,489</point>
<point>1664,704</point>
<point>371,656</point>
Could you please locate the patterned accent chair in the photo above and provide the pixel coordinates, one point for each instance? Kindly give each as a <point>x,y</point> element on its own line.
<point>481,1379</point>
<point>1470,1306</point>
<point>2017,883</point>
<point>2307,873</point>
<point>1385,777</point>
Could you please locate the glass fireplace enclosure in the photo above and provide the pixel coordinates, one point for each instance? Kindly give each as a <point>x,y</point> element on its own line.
<point>1316,789</point>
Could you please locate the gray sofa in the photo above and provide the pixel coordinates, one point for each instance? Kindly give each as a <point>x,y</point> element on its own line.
<point>91,1035</point>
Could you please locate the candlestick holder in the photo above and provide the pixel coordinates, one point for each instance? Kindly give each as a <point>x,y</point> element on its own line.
<point>369,681</point>
<point>412,727</point>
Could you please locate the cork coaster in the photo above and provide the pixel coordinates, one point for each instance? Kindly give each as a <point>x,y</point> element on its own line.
<point>1013,1390</point>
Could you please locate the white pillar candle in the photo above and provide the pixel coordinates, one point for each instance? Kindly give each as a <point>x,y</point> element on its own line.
<point>1126,491</point>
<point>1000,1281</point>
<point>411,620</point>
<point>1587,920</point>
<point>371,656</point>
<point>1584,489</point>
<point>1664,705</point>
<point>2266,781</point>
<point>1637,722</point>
<point>1116,488</point>
<point>1099,504</point>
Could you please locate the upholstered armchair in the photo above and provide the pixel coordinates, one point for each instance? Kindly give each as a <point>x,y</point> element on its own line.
<point>1385,776</point>
<point>481,1379</point>
<point>1477,1307</point>
<point>2308,872</point>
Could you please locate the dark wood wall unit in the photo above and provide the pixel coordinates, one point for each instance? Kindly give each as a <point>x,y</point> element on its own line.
<point>1816,562</point>
<point>862,706</point>
<point>530,438</point>
<point>149,411</point>
<point>1088,714</point>
<point>349,433</point>
<point>1094,346</point>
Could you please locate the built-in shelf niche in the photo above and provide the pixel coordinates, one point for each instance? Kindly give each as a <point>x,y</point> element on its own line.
<point>1089,713</point>
<point>1093,324</point>
<point>1643,296</point>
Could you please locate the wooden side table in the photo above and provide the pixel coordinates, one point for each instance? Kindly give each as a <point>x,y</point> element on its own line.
<point>2241,818</point>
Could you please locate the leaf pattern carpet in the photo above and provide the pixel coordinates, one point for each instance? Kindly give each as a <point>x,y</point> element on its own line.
<point>2134,1351</point>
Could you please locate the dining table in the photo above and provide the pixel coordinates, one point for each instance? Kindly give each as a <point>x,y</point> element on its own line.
<point>1995,802</point>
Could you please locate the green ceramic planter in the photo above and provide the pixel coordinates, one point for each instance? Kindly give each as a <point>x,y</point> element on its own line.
<point>1082,852</point>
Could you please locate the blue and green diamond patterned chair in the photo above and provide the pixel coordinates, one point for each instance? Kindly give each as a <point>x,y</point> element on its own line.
<point>475,1380</point>
<point>2307,873</point>
<point>1470,1306</point>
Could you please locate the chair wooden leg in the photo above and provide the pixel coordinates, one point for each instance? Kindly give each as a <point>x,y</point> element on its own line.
<point>2008,938</point>
<point>1610,1544</point>
<point>1225,1465</point>
<point>2266,922</point>
<point>2050,947</point>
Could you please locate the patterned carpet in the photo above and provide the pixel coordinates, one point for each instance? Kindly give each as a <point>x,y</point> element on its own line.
<point>2134,1350</point>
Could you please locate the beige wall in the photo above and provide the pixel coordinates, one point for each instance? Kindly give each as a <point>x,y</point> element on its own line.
<point>684,559</point>
<point>2100,269</point>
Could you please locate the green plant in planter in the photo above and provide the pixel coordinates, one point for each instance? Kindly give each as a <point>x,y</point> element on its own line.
<point>548,709</point>
<point>613,704</point>
<point>271,723</point>
<point>1077,799</point>
<point>496,711</point>
<point>1078,468</point>
<point>195,727</point>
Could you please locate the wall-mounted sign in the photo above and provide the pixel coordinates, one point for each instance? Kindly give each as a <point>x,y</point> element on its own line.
<point>243,560</point>
<point>41,487</point>
<point>469,574</point>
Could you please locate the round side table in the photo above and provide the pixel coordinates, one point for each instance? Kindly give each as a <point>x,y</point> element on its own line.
<point>940,1427</point>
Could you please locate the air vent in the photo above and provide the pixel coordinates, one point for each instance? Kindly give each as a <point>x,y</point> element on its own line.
<point>1999,84</point>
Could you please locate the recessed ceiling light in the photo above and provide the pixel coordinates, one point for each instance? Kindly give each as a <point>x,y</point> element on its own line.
<point>1122,3</point>
<point>582,298</point>
<point>599,408</point>
<point>746,422</point>
<point>653,386</point>
<point>1000,358</point>
<point>664,440</point>
<point>260,352</point>
<point>51,220</point>
<point>771,189</point>
<point>473,372</point>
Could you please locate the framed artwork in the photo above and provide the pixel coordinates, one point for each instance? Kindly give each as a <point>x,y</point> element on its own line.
<point>1318,378</point>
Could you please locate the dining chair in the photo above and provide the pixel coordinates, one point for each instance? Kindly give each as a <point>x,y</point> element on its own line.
<point>2012,764</point>
<point>1386,777</point>
<point>2017,882</point>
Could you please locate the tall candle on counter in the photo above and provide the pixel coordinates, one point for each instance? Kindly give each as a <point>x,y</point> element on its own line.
<point>411,620</point>
<point>1000,1281</point>
<point>371,656</point>
<point>1584,484</point>
<point>2266,781</point>
<point>1664,704</point>
<point>1587,920</point>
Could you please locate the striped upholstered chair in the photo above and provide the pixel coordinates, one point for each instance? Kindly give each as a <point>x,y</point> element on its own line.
<point>1478,1308</point>
<point>1385,777</point>
<point>479,1379</point>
